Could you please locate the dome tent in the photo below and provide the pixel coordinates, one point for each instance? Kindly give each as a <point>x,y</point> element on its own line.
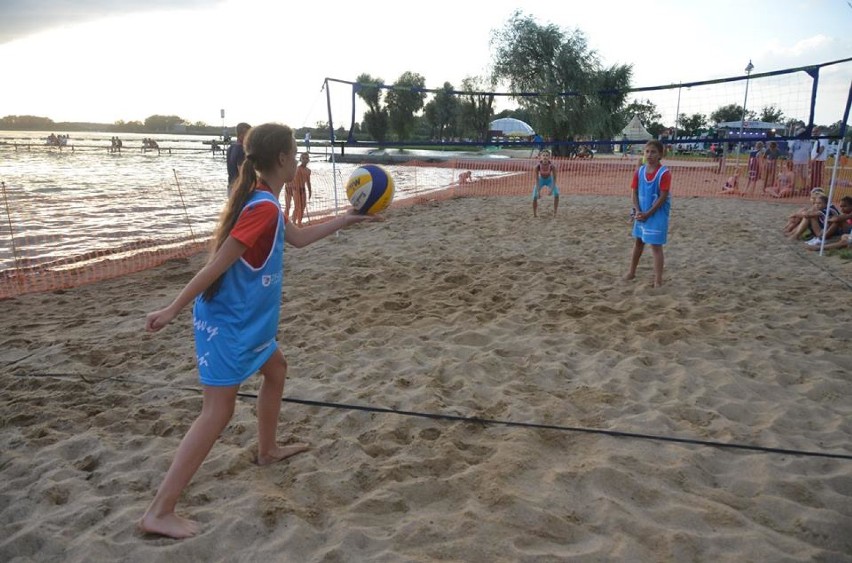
<point>511,127</point>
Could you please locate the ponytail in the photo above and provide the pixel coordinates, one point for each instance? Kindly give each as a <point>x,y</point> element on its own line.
<point>263,145</point>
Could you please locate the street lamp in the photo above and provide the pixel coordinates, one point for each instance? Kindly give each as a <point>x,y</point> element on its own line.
<point>748,69</point>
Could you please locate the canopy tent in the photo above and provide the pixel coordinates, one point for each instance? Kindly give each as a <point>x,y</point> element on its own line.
<point>511,127</point>
<point>635,131</point>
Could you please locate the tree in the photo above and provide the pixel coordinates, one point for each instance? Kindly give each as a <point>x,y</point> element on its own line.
<point>731,112</point>
<point>403,101</point>
<point>24,122</point>
<point>646,110</point>
<point>566,76</point>
<point>771,114</point>
<point>376,117</point>
<point>162,123</point>
<point>442,112</point>
<point>477,108</point>
<point>691,126</point>
<point>611,85</point>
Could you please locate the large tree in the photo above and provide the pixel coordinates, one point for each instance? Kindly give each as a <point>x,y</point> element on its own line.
<point>442,112</point>
<point>162,123</point>
<point>731,112</point>
<point>771,114</point>
<point>404,100</point>
<point>477,107</point>
<point>574,96</point>
<point>376,117</point>
<point>691,125</point>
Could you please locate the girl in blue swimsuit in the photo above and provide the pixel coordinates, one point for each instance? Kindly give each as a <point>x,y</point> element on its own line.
<point>651,186</point>
<point>237,298</point>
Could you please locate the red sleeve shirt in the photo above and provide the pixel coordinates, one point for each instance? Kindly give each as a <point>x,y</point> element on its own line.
<point>665,181</point>
<point>256,228</point>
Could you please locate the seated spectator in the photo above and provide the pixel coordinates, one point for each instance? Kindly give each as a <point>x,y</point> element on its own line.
<point>844,218</point>
<point>816,219</point>
<point>785,181</point>
<point>732,183</point>
<point>796,217</point>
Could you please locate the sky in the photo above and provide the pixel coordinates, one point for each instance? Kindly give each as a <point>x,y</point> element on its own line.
<point>266,60</point>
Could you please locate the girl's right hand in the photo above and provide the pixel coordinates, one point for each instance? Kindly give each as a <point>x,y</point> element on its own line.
<point>158,319</point>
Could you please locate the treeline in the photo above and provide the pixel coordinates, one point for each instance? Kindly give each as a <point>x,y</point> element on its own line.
<point>153,124</point>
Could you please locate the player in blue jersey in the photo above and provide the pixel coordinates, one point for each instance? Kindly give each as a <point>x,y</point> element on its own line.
<point>237,298</point>
<point>651,187</point>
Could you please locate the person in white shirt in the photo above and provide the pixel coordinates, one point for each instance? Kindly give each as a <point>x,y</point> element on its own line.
<point>819,155</point>
<point>800,150</point>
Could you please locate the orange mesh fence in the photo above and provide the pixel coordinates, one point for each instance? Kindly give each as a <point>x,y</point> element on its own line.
<point>51,243</point>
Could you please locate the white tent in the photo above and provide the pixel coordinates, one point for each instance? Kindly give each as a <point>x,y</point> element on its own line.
<point>511,127</point>
<point>635,131</point>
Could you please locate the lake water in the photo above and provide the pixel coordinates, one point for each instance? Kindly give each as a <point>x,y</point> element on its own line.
<point>83,198</point>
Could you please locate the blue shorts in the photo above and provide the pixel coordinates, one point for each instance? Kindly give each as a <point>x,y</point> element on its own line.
<point>543,182</point>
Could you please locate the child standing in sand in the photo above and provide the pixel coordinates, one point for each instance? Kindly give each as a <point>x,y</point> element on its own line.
<point>651,186</point>
<point>237,301</point>
<point>755,166</point>
<point>545,177</point>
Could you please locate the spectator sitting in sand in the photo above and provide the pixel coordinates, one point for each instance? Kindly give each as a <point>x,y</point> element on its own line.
<point>796,217</point>
<point>785,180</point>
<point>732,183</point>
<point>818,218</point>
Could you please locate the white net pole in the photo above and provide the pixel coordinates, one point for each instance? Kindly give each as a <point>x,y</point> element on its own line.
<point>331,142</point>
<point>831,186</point>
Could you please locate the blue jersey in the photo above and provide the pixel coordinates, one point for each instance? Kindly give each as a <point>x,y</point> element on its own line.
<point>235,330</point>
<point>655,228</point>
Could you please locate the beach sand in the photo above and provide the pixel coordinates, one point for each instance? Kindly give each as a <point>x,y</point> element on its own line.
<point>466,307</point>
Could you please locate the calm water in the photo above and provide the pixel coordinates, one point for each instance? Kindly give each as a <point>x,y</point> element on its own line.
<point>61,204</point>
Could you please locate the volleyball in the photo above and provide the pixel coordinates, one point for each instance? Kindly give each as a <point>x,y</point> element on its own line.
<point>370,189</point>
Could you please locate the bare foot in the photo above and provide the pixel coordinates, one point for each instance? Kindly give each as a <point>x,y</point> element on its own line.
<point>170,525</point>
<point>628,276</point>
<point>280,453</point>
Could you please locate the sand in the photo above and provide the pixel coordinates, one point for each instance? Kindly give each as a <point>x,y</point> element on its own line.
<point>466,307</point>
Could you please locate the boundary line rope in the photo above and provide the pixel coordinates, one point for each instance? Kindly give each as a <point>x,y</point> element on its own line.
<point>491,421</point>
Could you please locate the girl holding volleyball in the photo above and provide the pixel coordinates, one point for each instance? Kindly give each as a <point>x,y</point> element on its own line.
<point>237,301</point>
<point>651,186</point>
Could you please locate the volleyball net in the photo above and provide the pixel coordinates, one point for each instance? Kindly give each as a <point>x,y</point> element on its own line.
<point>780,105</point>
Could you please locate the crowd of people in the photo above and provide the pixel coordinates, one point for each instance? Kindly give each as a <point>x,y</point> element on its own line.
<point>55,140</point>
<point>803,172</point>
<point>781,176</point>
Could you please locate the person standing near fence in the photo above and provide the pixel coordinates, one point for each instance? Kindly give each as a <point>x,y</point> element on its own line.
<point>302,190</point>
<point>236,154</point>
<point>800,150</point>
<point>235,318</point>
<point>651,186</point>
<point>818,158</point>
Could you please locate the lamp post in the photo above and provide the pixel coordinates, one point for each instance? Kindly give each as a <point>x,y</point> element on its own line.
<point>748,69</point>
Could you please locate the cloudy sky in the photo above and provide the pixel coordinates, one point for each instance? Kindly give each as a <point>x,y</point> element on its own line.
<point>265,60</point>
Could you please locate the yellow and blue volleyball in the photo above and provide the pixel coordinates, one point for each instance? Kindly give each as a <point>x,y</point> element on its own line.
<point>370,189</point>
